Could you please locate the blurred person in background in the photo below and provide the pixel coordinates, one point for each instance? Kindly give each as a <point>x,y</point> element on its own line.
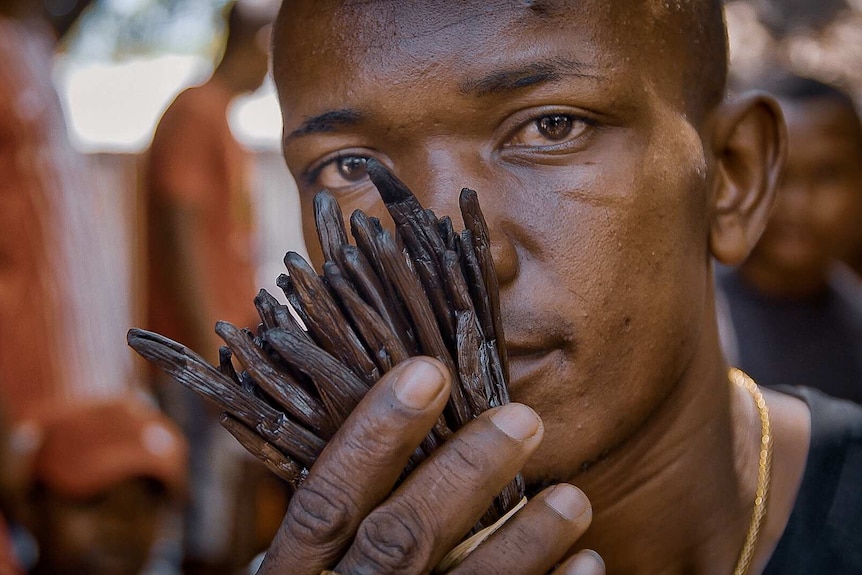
<point>201,268</point>
<point>99,479</point>
<point>9,563</point>
<point>58,311</point>
<point>792,312</point>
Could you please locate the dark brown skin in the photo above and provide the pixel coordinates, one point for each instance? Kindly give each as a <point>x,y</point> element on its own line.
<point>111,533</point>
<point>818,207</point>
<point>605,196</point>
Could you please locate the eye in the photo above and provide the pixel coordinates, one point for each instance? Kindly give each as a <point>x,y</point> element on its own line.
<point>550,130</point>
<point>339,172</point>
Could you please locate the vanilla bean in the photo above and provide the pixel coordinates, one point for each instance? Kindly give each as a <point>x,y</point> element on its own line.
<point>427,270</point>
<point>383,301</point>
<point>225,365</point>
<point>387,349</point>
<point>277,462</point>
<point>482,306</point>
<point>266,305</point>
<point>191,370</point>
<point>470,372</point>
<point>472,272</point>
<point>287,393</point>
<point>330,225</point>
<point>427,331</point>
<point>447,232</point>
<point>339,388</point>
<point>325,321</point>
<point>364,230</point>
<point>456,286</point>
<point>475,222</point>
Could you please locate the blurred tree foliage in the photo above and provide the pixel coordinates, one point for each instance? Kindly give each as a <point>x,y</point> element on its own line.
<point>820,39</point>
<point>119,29</point>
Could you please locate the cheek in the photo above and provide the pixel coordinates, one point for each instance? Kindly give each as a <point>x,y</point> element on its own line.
<point>836,214</point>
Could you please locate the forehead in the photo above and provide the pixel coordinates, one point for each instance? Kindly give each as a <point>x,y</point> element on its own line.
<point>333,44</point>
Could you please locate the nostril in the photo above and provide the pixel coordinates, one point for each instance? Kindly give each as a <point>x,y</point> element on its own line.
<point>505,257</point>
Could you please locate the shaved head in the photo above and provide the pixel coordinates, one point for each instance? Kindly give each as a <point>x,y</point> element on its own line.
<point>685,36</point>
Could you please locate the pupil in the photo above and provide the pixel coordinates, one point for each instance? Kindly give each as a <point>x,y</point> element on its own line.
<point>352,167</point>
<point>555,127</point>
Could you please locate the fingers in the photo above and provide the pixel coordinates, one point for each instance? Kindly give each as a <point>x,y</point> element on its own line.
<point>537,537</point>
<point>587,562</point>
<point>440,501</point>
<point>359,467</point>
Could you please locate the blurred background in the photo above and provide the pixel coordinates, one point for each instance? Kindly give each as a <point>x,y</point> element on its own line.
<point>117,70</point>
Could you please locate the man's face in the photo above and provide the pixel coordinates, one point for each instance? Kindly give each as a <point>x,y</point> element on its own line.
<point>109,534</point>
<point>819,203</point>
<point>571,128</point>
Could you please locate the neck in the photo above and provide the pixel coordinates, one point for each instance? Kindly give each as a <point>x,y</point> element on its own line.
<point>678,498</point>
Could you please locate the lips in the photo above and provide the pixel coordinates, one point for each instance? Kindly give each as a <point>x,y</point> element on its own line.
<point>529,363</point>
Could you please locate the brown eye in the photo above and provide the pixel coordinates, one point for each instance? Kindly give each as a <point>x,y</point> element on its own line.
<point>555,127</point>
<point>549,131</point>
<point>339,172</point>
<point>351,168</point>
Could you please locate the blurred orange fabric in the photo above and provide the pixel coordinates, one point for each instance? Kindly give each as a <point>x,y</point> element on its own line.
<point>54,307</point>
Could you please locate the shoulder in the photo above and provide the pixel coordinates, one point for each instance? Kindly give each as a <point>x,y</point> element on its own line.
<point>823,532</point>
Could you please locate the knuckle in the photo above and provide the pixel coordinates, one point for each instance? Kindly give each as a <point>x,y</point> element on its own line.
<point>316,516</point>
<point>463,460</point>
<point>393,542</point>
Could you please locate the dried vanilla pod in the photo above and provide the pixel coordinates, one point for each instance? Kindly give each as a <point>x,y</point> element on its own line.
<point>391,307</point>
<point>280,386</point>
<point>275,460</point>
<point>424,289</point>
<point>385,347</point>
<point>475,222</point>
<point>324,319</point>
<point>330,225</point>
<point>339,388</point>
<point>225,365</point>
<point>191,370</point>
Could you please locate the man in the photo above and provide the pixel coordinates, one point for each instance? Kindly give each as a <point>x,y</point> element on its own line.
<point>795,310</point>
<point>610,170</point>
<point>200,224</point>
<point>200,219</point>
<point>99,479</point>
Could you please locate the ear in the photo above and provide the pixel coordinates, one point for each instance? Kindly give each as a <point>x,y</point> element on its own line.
<point>749,144</point>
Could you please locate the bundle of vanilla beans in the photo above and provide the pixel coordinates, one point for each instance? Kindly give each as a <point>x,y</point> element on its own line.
<point>426,291</point>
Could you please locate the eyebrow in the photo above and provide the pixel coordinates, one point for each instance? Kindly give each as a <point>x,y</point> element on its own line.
<point>329,121</point>
<point>528,75</point>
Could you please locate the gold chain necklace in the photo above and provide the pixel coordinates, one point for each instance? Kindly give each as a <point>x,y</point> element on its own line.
<point>764,468</point>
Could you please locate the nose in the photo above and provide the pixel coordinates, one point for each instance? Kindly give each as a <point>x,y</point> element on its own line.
<point>437,182</point>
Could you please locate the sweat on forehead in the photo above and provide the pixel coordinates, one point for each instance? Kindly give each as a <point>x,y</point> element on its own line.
<point>685,40</point>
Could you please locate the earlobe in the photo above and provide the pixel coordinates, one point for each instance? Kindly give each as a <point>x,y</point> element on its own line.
<point>749,146</point>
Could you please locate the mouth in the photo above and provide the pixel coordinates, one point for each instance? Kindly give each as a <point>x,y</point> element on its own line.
<point>530,364</point>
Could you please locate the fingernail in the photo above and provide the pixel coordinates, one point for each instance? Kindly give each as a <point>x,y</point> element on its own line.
<point>586,562</point>
<point>567,500</point>
<point>516,420</point>
<point>419,384</point>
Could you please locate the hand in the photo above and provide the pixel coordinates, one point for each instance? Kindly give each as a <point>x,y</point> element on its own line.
<point>345,516</point>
